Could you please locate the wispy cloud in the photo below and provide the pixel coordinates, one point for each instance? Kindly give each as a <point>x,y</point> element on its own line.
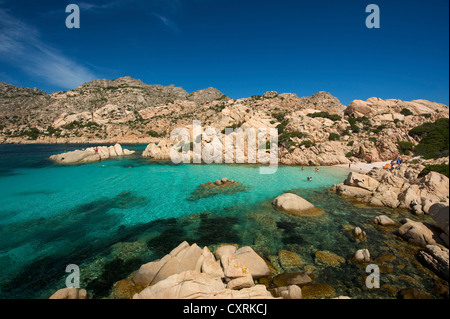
<point>170,24</point>
<point>21,45</point>
<point>95,6</point>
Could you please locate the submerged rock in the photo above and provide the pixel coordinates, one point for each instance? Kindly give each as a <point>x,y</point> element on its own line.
<point>358,233</point>
<point>413,293</point>
<point>315,291</point>
<point>289,260</point>
<point>328,258</point>
<point>223,186</point>
<point>296,205</point>
<point>383,220</point>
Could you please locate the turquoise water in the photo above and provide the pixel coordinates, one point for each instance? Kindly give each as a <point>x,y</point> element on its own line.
<point>112,216</point>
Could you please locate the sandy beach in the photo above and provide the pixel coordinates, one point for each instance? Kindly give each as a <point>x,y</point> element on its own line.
<point>363,168</point>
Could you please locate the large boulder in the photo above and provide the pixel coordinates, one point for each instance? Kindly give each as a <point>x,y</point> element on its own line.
<point>253,262</point>
<point>362,181</point>
<point>437,259</point>
<point>418,233</point>
<point>296,205</point>
<point>362,256</point>
<point>195,285</point>
<point>440,212</point>
<point>383,220</point>
<point>183,258</point>
<point>356,192</point>
<point>185,285</point>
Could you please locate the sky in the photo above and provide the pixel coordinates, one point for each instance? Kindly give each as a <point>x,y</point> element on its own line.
<point>240,47</point>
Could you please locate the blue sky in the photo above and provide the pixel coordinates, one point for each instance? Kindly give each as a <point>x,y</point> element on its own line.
<point>242,48</point>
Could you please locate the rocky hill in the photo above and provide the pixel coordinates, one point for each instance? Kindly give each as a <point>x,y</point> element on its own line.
<point>315,130</point>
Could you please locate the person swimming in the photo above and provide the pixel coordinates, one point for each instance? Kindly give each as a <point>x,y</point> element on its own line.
<point>309,179</point>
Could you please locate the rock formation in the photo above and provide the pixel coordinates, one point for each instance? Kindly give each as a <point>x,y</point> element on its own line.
<point>314,130</point>
<point>397,188</point>
<point>91,154</point>
<point>296,205</point>
<point>190,272</point>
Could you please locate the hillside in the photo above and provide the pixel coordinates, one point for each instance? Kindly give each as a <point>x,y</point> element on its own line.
<point>315,130</point>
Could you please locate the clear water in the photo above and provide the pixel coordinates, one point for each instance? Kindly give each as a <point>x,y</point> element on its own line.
<point>112,216</point>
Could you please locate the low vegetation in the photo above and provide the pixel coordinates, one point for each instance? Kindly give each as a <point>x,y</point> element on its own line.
<point>441,168</point>
<point>434,139</point>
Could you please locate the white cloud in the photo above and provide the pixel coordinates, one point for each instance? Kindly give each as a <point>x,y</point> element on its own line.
<point>170,24</point>
<point>21,46</point>
<point>92,7</point>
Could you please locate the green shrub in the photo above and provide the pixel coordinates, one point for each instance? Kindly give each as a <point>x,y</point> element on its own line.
<point>223,97</point>
<point>233,126</point>
<point>32,133</point>
<point>307,143</point>
<point>434,139</point>
<point>334,137</point>
<point>442,169</point>
<point>406,112</point>
<point>353,126</point>
<point>350,143</point>
<point>405,148</point>
<point>333,117</point>
<point>349,154</point>
<point>279,116</point>
<point>373,140</point>
<point>379,129</point>
<point>154,133</point>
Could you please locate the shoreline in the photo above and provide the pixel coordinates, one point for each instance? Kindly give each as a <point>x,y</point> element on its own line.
<point>361,167</point>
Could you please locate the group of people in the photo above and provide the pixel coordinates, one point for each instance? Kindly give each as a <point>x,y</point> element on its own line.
<point>309,179</point>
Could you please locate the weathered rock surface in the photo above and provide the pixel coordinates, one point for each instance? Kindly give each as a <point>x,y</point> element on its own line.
<point>398,188</point>
<point>296,205</point>
<point>255,264</point>
<point>362,256</point>
<point>70,293</point>
<point>440,213</point>
<point>91,154</point>
<point>189,272</point>
<point>383,220</point>
<point>437,259</point>
<point>289,292</point>
<point>418,233</point>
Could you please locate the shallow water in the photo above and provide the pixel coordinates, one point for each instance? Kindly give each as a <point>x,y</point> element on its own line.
<point>112,216</point>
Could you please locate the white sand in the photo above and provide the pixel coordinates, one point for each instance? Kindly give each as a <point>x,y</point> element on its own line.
<point>363,168</point>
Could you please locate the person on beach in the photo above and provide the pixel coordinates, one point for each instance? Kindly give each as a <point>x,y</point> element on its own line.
<point>349,165</point>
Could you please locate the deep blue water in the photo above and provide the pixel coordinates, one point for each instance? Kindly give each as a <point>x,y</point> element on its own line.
<point>110,217</point>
